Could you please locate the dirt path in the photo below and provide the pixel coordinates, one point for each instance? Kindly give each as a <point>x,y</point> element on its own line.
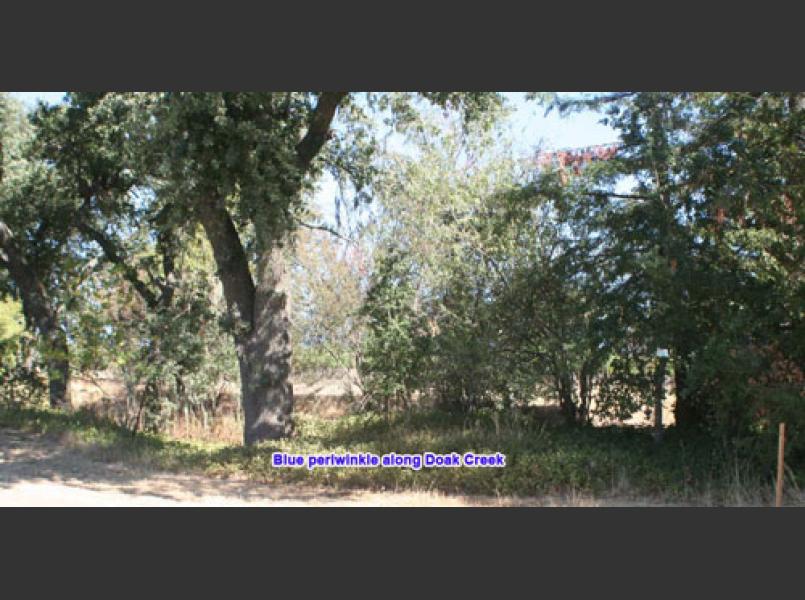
<point>40,471</point>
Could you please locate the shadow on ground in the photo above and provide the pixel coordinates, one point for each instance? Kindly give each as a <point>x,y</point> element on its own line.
<point>28,460</point>
<point>48,470</point>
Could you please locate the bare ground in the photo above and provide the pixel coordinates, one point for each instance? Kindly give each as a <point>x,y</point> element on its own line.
<point>36,470</point>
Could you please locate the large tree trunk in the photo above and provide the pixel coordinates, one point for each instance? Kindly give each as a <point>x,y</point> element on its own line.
<point>265,357</point>
<point>262,328</point>
<point>40,314</point>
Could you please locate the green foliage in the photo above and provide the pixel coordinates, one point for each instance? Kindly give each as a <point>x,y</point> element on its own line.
<point>393,354</point>
<point>479,296</point>
<point>492,286</point>
<point>326,282</point>
<point>12,343</point>
<point>425,303</point>
<point>11,324</point>
<point>171,358</point>
<point>473,281</point>
<point>107,191</point>
<point>704,255</point>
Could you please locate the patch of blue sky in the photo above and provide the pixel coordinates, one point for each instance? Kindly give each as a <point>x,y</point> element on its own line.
<point>31,99</point>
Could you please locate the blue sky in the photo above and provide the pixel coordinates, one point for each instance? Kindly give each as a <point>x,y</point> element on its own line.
<point>31,98</point>
<point>530,126</point>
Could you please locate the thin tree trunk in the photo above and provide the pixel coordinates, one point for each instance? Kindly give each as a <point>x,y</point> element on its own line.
<point>58,367</point>
<point>585,387</point>
<point>565,391</point>
<point>688,409</point>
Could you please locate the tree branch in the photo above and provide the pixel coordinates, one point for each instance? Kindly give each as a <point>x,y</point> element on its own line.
<point>319,128</point>
<point>614,195</point>
<point>230,257</point>
<point>325,229</point>
<point>113,253</point>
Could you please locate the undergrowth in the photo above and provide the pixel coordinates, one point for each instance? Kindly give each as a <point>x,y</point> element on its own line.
<point>541,458</point>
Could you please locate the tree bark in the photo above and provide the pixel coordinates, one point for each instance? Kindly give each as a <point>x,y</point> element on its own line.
<point>262,329</point>
<point>265,362</point>
<point>40,314</point>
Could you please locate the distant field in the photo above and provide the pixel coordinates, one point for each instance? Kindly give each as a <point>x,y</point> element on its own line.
<point>326,395</point>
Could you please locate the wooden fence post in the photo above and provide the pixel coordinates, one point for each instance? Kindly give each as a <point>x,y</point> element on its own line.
<point>780,464</point>
<point>659,393</point>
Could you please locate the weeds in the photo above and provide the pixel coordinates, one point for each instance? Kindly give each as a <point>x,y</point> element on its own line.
<point>542,459</point>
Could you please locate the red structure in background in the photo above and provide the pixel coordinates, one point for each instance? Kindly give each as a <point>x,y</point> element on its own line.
<point>576,158</point>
